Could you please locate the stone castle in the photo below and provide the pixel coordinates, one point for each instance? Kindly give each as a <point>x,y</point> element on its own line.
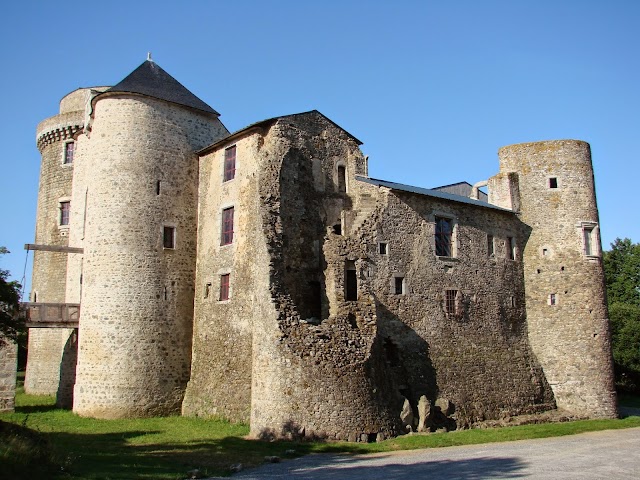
<point>264,276</point>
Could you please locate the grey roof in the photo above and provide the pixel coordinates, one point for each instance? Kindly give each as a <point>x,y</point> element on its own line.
<point>462,188</point>
<point>263,123</point>
<point>151,80</point>
<point>428,192</point>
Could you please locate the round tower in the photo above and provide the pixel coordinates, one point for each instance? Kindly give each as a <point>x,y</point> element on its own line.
<point>564,278</point>
<point>55,138</point>
<point>136,220</point>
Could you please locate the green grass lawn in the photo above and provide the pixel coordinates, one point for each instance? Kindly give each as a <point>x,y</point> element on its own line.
<point>72,447</point>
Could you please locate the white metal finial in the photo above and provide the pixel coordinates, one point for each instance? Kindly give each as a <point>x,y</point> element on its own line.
<point>149,57</point>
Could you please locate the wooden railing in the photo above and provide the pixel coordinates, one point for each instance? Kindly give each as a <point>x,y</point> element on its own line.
<point>51,315</point>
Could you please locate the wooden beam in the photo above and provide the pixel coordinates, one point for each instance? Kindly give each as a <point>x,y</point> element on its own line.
<point>53,248</point>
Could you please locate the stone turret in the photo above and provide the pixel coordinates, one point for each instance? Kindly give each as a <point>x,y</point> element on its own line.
<point>551,185</point>
<point>55,138</point>
<point>134,213</point>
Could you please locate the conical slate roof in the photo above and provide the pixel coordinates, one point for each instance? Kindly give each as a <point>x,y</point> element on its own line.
<point>151,80</point>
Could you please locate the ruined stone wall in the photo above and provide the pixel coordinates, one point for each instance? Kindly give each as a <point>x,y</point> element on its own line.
<point>141,174</point>
<point>313,376</point>
<point>49,268</point>
<point>569,332</point>
<point>8,370</point>
<point>223,338</point>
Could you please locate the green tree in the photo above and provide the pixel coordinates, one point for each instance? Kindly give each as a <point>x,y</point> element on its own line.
<point>11,326</point>
<point>622,274</point>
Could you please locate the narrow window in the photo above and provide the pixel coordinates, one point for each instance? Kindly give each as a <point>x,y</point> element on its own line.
<point>444,231</point>
<point>158,187</point>
<point>511,248</point>
<point>65,210</point>
<point>450,301</point>
<point>587,233</point>
<point>224,286</point>
<point>552,299</point>
<point>351,282</point>
<point>399,285</point>
<point>227,226</point>
<point>169,237</point>
<point>229,164</point>
<point>382,248</point>
<point>337,229</point>
<point>69,149</point>
<point>513,302</point>
<point>544,252</point>
<point>553,182</point>
<point>490,248</point>
<point>342,179</point>
<point>207,290</point>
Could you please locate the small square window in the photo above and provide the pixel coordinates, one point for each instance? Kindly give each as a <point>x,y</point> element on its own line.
<point>229,164</point>
<point>553,182</point>
<point>169,237</point>
<point>224,286</point>
<point>65,211</point>
<point>69,150</point>
<point>382,248</point>
<point>398,283</point>
<point>227,226</point>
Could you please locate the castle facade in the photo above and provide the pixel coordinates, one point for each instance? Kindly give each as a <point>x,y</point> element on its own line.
<point>265,276</point>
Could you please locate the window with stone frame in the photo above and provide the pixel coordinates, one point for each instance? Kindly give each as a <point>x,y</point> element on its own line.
<point>490,246</point>
<point>229,164</point>
<point>225,285</point>
<point>227,226</point>
<point>69,150</point>
<point>451,303</point>
<point>590,241</point>
<point>511,248</point>
<point>444,236</point>
<point>65,212</point>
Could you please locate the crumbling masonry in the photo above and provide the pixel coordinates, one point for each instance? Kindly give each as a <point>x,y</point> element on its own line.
<point>264,276</point>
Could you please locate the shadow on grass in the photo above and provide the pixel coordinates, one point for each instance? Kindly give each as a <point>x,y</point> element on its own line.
<point>118,456</point>
<point>36,408</point>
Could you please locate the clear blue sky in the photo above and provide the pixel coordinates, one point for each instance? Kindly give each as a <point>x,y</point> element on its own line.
<point>432,88</point>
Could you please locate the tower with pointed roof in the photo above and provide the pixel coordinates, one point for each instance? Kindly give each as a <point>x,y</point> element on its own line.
<point>133,204</point>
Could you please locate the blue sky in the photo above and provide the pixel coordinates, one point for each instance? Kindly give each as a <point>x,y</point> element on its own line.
<point>432,88</point>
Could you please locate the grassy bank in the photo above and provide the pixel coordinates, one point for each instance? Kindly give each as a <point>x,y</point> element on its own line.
<point>67,446</point>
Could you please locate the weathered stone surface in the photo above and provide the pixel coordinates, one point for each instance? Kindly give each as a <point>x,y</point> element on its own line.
<point>424,412</point>
<point>406,416</point>
<point>8,367</point>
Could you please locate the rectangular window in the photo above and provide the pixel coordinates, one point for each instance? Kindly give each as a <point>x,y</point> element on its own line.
<point>169,237</point>
<point>553,182</point>
<point>227,226</point>
<point>382,248</point>
<point>351,282</point>
<point>229,164</point>
<point>450,301</point>
<point>444,232</point>
<point>511,248</point>
<point>399,285</point>
<point>552,299</point>
<point>490,248</point>
<point>587,233</point>
<point>69,149</point>
<point>207,290</point>
<point>65,210</point>
<point>224,286</point>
